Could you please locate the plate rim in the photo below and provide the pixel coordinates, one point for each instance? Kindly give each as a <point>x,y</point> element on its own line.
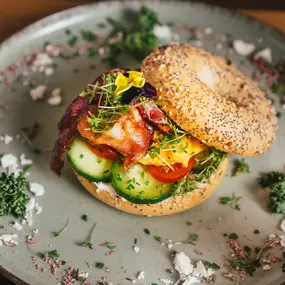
<point>69,12</point>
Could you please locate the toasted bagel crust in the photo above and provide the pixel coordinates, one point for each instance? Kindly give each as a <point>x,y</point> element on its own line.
<point>211,99</point>
<point>170,206</point>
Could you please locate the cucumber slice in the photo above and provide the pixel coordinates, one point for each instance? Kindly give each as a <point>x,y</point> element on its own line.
<point>137,185</point>
<point>87,164</point>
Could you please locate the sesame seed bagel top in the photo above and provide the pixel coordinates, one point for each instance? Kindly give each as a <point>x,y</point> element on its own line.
<point>211,99</point>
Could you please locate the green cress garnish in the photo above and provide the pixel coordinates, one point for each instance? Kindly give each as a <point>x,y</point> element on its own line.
<point>88,242</point>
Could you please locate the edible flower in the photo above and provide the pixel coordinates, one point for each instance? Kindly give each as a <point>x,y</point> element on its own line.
<point>134,79</point>
<point>133,94</point>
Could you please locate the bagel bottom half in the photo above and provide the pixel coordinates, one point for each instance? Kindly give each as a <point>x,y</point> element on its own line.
<point>169,206</point>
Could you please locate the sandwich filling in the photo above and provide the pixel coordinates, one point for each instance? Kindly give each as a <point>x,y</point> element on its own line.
<point>115,132</point>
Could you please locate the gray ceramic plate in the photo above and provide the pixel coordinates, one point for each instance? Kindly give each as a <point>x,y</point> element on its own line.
<point>65,198</point>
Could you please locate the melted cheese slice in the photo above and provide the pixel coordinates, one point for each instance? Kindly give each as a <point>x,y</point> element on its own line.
<point>179,151</point>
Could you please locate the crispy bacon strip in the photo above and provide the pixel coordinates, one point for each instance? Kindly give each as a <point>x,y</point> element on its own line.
<point>67,131</point>
<point>154,115</point>
<point>131,135</point>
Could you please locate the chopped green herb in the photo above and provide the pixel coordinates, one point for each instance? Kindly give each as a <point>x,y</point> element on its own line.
<point>72,42</point>
<point>137,40</point>
<point>276,182</point>
<point>213,265</point>
<point>88,242</point>
<point>84,218</point>
<point>119,177</point>
<point>233,236</point>
<point>147,183</point>
<point>99,160</point>
<point>157,238</point>
<point>188,223</point>
<point>135,241</point>
<point>110,245</point>
<point>101,25</point>
<point>232,201</point>
<point>146,231</point>
<point>247,250</point>
<point>257,232</point>
<point>81,155</point>
<point>99,265</point>
<point>278,115</point>
<point>192,238</point>
<point>13,195</point>
<point>169,270</point>
<point>67,32</point>
<point>89,36</point>
<point>92,52</point>
<point>270,178</point>
<point>240,166</point>
<point>56,234</point>
<point>51,254</point>
<point>225,235</point>
<point>154,284</point>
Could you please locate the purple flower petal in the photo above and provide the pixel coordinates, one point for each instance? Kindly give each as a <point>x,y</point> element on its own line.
<point>134,93</point>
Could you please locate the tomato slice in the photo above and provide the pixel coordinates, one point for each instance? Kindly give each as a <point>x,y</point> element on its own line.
<point>104,151</point>
<point>167,175</point>
<point>84,129</point>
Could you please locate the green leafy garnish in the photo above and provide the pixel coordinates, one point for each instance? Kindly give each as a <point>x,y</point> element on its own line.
<point>232,201</point>
<point>240,166</point>
<point>88,242</point>
<point>136,39</point>
<point>99,265</point>
<point>270,178</point>
<point>206,165</point>
<point>92,52</point>
<point>89,36</point>
<point>84,218</point>
<point>192,238</point>
<point>276,182</point>
<point>110,245</point>
<point>213,265</point>
<point>233,236</point>
<point>110,108</point>
<point>157,238</point>
<point>247,250</point>
<point>56,234</point>
<point>146,231</point>
<point>13,195</point>
<point>51,254</point>
<point>73,41</point>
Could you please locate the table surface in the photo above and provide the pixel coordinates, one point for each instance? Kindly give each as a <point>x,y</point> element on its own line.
<point>27,12</point>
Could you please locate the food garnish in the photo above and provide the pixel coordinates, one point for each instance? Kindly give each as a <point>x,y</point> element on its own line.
<point>240,166</point>
<point>275,181</point>
<point>13,195</point>
<point>232,201</point>
<point>88,242</point>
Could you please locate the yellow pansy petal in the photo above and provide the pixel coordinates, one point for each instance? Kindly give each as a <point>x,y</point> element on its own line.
<point>121,80</point>
<point>139,82</point>
<point>121,89</point>
<point>134,74</point>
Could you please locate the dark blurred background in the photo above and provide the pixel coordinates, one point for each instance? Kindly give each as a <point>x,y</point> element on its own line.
<point>16,14</point>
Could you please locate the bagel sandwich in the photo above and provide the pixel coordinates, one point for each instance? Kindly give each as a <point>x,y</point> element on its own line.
<point>133,138</point>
